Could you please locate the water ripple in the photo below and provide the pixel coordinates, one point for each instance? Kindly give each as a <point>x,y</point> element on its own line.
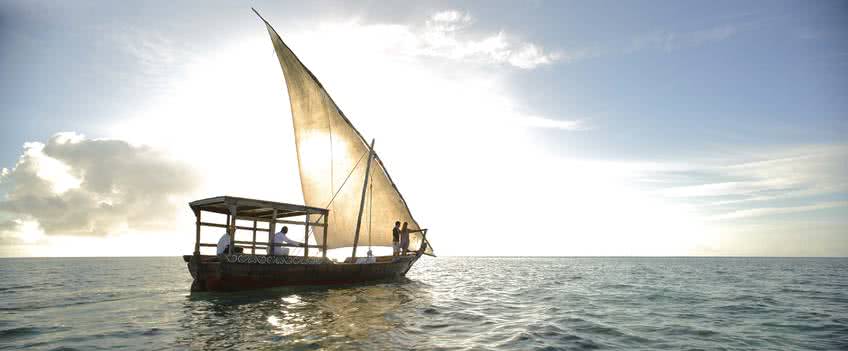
<point>446,304</point>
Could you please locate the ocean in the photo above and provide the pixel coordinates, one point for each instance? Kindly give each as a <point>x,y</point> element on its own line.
<point>446,303</point>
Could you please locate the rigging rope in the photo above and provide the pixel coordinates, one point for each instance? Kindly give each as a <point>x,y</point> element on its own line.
<point>337,192</point>
<point>345,181</point>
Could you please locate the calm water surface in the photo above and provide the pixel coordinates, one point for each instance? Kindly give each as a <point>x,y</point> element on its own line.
<point>446,303</point>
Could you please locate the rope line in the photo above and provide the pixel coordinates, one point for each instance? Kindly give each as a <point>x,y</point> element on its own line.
<point>311,229</point>
<point>345,181</point>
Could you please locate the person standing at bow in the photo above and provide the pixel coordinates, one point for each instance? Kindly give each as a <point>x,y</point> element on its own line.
<point>396,239</point>
<point>404,238</point>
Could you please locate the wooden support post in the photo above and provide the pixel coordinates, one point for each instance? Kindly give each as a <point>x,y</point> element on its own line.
<point>272,229</point>
<point>227,230</point>
<point>306,236</point>
<point>232,228</point>
<point>324,240</point>
<point>197,232</point>
<point>362,200</point>
<point>253,246</point>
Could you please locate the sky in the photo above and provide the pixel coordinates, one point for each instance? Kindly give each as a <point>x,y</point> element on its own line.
<point>661,128</point>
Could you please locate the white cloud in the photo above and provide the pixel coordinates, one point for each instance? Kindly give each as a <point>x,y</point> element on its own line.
<point>77,186</point>
<point>755,183</point>
<point>670,41</point>
<point>765,211</point>
<point>158,58</point>
<point>449,21</point>
<point>718,189</point>
<point>448,34</point>
<point>542,122</point>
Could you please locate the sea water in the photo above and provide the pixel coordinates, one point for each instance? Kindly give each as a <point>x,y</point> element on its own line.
<point>448,303</point>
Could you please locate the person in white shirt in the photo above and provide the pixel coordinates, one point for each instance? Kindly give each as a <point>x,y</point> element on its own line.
<point>224,245</point>
<point>279,238</point>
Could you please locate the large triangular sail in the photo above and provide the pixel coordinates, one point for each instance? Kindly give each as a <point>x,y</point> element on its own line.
<point>331,156</point>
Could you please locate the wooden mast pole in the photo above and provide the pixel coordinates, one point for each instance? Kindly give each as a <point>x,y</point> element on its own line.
<point>362,201</point>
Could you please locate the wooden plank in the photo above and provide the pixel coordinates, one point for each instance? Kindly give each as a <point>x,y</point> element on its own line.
<point>274,205</point>
<point>267,214</point>
<point>226,201</point>
<point>208,224</point>
<point>262,245</point>
<point>250,243</point>
<point>253,247</point>
<point>207,202</point>
<point>217,225</point>
<point>197,232</point>
<point>290,245</point>
<point>314,224</point>
<point>281,221</point>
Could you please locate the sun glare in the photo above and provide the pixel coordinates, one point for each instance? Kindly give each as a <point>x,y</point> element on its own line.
<point>424,116</point>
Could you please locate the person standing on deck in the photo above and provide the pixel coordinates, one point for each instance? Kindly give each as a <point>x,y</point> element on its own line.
<point>396,239</point>
<point>404,238</point>
<point>280,238</point>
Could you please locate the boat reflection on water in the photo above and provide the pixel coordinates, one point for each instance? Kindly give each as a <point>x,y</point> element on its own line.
<point>306,317</point>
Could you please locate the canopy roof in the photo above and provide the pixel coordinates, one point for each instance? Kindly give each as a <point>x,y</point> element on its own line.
<point>259,209</point>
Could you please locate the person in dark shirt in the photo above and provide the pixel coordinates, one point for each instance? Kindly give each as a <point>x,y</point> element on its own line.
<point>396,239</point>
<point>404,238</point>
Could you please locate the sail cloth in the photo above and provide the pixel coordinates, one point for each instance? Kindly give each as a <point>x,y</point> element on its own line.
<point>329,149</point>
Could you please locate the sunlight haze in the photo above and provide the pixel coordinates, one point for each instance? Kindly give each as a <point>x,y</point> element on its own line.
<point>546,128</point>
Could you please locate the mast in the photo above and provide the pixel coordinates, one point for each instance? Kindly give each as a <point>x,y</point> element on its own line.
<point>362,201</point>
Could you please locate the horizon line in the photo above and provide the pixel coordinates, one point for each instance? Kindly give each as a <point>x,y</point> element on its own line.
<point>470,256</point>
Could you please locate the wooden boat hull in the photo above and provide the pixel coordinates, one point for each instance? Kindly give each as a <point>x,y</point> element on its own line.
<point>245,272</point>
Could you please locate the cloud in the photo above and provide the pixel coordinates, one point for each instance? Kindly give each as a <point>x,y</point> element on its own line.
<point>447,34</point>
<point>762,183</point>
<point>77,186</point>
<point>157,58</point>
<point>542,122</point>
<point>449,21</point>
<point>755,212</point>
<point>670,41</point>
